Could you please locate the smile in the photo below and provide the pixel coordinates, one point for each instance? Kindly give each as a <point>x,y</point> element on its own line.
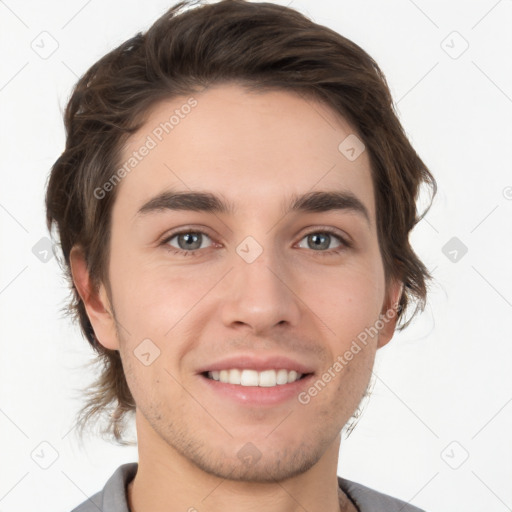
<point>266,378</point>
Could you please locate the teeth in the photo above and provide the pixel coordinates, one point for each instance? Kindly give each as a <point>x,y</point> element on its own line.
<point>266,378</point>
<point>249,378</point>
<point>282,377</point>
<point>234,376</point>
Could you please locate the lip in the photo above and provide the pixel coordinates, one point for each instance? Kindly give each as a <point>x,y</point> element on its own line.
<point>254,395</point>
<point>258,363</point>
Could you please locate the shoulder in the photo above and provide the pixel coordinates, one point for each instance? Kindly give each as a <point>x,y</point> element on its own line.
<point>112,498</point>
<point>370,500</point>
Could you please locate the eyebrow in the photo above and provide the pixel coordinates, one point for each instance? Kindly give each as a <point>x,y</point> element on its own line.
<point>312,202</point>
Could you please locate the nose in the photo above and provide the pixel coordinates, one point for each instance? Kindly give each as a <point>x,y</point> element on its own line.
<point>259,295</point>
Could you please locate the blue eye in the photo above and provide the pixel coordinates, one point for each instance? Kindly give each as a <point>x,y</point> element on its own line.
<point>318,241</point>
<point>188,242</point>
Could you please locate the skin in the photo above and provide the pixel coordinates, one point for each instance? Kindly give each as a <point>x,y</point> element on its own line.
<point>255,150</point>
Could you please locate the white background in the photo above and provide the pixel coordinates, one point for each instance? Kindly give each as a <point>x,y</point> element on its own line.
<point>443,387</point>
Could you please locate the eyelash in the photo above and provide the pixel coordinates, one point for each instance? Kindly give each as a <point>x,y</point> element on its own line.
<point>345,244</point>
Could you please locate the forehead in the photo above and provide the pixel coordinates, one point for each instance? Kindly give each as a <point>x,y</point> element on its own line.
<point>252,149</point>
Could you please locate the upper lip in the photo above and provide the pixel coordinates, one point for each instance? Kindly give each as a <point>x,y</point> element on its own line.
<point>258,363</point>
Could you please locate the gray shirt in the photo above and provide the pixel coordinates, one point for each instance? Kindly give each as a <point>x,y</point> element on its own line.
<point>113,496</point>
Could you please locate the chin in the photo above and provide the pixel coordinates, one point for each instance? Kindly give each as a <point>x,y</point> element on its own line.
<point>265,469</point>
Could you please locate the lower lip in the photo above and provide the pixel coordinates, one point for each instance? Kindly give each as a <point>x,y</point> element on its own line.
<point>256,395</point>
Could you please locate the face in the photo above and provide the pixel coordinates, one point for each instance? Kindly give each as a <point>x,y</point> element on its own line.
<point>269,278</point>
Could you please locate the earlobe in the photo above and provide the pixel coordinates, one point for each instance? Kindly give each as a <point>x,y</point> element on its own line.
<point>95,301</point>
<point>389,312</point>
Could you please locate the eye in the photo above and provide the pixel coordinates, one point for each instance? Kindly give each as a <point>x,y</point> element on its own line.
<point>321,241</point>
<point>187,242</point>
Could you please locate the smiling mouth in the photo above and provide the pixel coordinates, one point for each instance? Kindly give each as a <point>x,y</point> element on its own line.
<point>254,378</point>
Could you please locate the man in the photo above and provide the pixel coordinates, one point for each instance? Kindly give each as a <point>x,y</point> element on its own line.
<point>233,205</point>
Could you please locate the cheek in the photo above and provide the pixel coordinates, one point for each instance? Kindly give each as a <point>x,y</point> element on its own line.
<point>146,383</point>
<point>164,307</point>
<point>152,300</point>
<point>354,380</point>
<point>348,300</point>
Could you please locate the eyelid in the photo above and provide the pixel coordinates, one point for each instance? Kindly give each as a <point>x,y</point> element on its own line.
<point>164,240</point>
<point>344,238</point>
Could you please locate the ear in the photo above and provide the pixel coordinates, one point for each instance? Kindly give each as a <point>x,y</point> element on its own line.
<point>389,312</point>
<point>95,301</point>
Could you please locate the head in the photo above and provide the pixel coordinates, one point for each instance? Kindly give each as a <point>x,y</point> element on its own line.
<point>275,119</point>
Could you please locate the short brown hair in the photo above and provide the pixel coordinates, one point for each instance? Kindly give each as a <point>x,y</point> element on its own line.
<point>260,46</point>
